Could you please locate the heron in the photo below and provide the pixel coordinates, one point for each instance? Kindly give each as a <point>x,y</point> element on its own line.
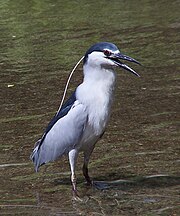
<point>82,119</point>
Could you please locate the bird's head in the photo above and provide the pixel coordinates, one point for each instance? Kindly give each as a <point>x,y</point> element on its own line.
<point>107,55</point>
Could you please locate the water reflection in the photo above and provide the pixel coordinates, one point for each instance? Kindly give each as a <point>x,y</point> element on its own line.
<point>40,42</point>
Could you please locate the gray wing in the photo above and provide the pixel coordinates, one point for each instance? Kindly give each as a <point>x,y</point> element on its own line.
<point>62,136</point>
<point>63,111</point>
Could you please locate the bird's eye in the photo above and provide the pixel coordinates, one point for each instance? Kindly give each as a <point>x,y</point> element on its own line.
<point>107,52</point>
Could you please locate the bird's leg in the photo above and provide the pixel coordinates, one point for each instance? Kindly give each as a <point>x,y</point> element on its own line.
<point>86,175</point>
<point>72,160</point>
<point>85,166</point>
<point>74,185</point>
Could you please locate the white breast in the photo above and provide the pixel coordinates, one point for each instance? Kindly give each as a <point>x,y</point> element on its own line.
<point>96,93</point>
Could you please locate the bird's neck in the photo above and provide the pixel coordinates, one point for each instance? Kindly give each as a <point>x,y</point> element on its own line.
<point>96,93</point>
<point>99,82</point>
<point>99,74</point>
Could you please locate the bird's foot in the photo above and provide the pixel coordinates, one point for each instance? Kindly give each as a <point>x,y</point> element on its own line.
<point>89,183</point>
<point>96,184</point>
<point>75,194</point>
<point>100,185</point>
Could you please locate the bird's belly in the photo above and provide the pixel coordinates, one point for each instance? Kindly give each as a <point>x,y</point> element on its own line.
<point>98,118</point>
<point>94,129</point>
<point>89,138</point>
<point>97,99</point>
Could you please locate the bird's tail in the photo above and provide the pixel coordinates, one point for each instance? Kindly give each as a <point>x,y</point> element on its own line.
<point>35,155</point>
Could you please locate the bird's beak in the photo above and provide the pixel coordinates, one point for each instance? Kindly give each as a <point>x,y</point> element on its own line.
<point>116,59</point>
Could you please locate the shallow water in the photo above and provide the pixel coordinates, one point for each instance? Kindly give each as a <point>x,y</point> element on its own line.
<point>136,164</point>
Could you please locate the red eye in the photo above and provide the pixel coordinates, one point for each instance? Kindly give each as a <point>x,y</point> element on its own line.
<point>107,52</point>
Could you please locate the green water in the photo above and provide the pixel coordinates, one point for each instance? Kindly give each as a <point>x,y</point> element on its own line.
<point>137,161</point>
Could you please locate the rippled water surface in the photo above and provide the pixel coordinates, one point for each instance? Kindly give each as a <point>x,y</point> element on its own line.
<point>136,164</point>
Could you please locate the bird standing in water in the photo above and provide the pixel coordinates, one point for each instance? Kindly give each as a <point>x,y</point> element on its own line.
<point>83,118</point>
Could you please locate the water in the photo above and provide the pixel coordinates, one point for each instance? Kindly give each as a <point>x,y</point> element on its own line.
<point>137,161</point>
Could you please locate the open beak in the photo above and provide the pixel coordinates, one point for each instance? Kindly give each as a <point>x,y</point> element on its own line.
<point>116,57</point>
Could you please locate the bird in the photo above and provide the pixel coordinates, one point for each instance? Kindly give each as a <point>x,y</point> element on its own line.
<point>81,121</point>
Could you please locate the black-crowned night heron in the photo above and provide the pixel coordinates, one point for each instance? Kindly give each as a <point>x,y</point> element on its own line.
<point>82,120</point>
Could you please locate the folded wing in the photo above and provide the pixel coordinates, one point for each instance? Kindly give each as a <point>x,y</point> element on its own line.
<point>62,134</point>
